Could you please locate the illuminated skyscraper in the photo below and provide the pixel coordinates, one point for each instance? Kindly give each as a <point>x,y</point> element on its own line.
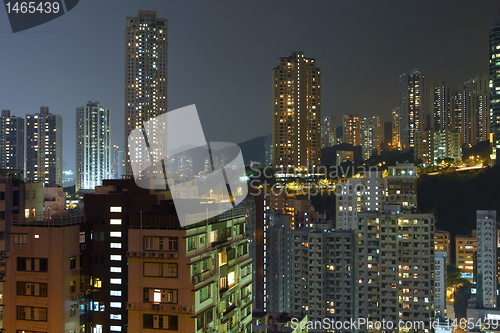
<point>396,128</point>
<point>44,147</point>
<point>297,113</point>
<point>11,141</point>
<point>328,132</point>
<point>412,96</point>
<point>93,146</point>
<point>352,130</point>
<point>495,84</point>
<point>145,73</point>
<point>475,106</point>
<point>439,107</point>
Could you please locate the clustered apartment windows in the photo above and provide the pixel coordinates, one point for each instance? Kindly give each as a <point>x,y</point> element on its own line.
<point>160,243</point>
<point>160,321</point>
<point>156,295</point>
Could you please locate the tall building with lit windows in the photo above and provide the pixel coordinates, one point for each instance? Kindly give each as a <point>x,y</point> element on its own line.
<point>395,268</point>
<point>296,113</point>
<point>486,258</point>
<point>439,107</point>
<point>475,105</point>
<point>93,146</point>
<point>494,85</point>
<point>145,272</point>
<point>352,130</point>
<point>44,147</point>
<point>396,128</point>
<point>412,97</point>
<point>465,249</point>
<point>11,141</point>
<point>145,73</point>
<point>401,185</point>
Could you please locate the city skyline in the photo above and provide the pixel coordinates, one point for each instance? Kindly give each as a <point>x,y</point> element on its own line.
<point>346,71</point>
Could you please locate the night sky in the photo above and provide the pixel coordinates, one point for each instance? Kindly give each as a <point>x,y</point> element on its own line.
<point>221,55</point>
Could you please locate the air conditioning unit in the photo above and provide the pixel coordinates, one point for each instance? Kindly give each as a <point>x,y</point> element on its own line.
<point>80,294</point>
<point>74,298</point>
<point>154,255</point>
<point>135,254</point>
<point>129,254</point>
<point>195,279</point>
<point>88,291</point>
<point>155,307</point>
<point>163,255</point>
<point>174,308</point>
<point>130,306</point>
<point>185,309</point>
<point>172,255</point>
<point>200,277</point>
<point>165,308</point>
<point>145,254</point>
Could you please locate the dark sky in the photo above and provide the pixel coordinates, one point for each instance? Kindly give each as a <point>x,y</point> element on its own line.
<point>221,55</point>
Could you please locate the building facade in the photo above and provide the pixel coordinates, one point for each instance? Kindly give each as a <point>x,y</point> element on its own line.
<point>356,195</point>
<point>486,258</point>
<point>475,105</point>
<point>465,248</point>
<point>413,105</point>
<point>447,145</point>
<point>401,185</point>
<point>44,147</point>
<point>352,130</point>
<point>440,263</point>
<point>296,113</point>
<point>145,74</point>
<point>494,84</point>
<point>11,141</point>
<point>396,128</point>
<point>395,268</point>
<point>93,146</point>
<point>323,275</point>
<point>424,147</point>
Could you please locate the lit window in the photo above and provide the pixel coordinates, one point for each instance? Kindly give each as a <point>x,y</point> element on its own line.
<point>115,221</point>
<point>230,278</point>
<point>115,316</point>
<point>116,245</point>
<point>157,296</point>
<point>115,281</point>
<point>115,209</point>
<point>115,234</point>
<point>115,293</point>
<point>115,328</point>
<point>115,257</point>
<point>115,269</point>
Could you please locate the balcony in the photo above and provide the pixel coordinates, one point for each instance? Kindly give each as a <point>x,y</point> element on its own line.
<point>47,219</point>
